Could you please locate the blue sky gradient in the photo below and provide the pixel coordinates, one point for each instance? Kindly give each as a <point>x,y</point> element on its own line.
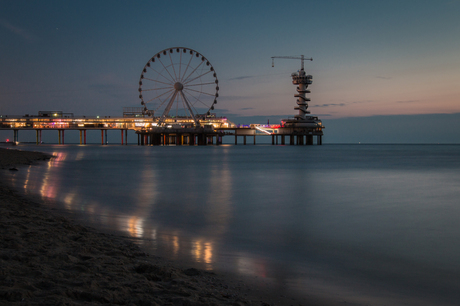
<point>372,59</point>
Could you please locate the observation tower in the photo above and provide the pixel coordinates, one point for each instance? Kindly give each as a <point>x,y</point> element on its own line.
<point>302,80</point>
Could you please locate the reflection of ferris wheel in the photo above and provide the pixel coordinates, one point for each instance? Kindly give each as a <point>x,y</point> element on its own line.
<point>178,83</point>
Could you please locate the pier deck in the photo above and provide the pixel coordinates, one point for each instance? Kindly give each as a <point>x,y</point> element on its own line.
<point>175,131</point>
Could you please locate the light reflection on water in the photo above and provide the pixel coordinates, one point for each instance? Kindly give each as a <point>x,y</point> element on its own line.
<point>302,216</point>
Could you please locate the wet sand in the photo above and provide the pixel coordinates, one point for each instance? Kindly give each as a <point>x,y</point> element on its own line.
<point>10,158</point>
<point>46,258</point>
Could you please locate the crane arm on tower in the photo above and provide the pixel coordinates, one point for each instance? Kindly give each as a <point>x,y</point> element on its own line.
<point>301,58</point>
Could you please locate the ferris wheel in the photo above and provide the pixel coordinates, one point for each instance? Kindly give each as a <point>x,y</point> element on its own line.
<point>178,83</point>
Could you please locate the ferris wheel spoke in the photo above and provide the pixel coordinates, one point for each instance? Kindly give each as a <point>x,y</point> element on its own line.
<point>161,88</point>
<point>180,64</point>
<point>194,109</point>
<point>183,102</point>
<point>170,104</point>
<point>160,95</point>
<point>202,92</point>
<point>198,100</point>
<point>177,105</point>
<point>172,64</point>
<point>171,81</point>
<point>184,106</point>
<point>186,68</point>
<point>196,112</point>
<point>163,102</point>
<point>171,84</point>
<point>185,80</point>
<point>210,83</point>
<point>189,108</point>
<point>197,77</point>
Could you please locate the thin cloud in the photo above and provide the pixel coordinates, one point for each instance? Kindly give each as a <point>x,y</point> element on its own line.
<point>246,108</point>
<point>383,77</point>
<point>329,105</point>
<point>361,102</point>
<point>408,101</point>
<point>344,104</point>
<point>18,31</point>
<point>243,77</point>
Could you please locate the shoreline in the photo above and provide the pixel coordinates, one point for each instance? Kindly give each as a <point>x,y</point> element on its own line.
<point>47,257</point>
<point>11,158</point>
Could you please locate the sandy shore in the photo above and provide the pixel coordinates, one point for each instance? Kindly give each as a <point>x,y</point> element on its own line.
<point>48,259</point>
<point>10,158</point>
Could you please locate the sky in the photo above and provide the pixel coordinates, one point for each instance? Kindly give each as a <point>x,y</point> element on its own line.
<point>383,71</point>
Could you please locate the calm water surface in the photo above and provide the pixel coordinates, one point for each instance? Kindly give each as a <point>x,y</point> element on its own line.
<point>372,224</point>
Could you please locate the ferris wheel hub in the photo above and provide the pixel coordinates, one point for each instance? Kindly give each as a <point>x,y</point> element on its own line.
<point>178,86</point>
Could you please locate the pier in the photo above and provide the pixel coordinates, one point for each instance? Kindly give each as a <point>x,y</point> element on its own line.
<point>177,131</point>
<point>177,103</point>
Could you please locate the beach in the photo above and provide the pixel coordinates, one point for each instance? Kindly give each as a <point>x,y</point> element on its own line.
<point>47,258</point>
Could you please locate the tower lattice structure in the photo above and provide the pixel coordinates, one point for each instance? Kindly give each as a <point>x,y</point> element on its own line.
<point>302,80</point>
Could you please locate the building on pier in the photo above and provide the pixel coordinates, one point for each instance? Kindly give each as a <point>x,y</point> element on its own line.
<point>143,125</point>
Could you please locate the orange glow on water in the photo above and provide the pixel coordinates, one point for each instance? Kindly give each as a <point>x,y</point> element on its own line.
<point>135,228</point>
<point>203,253</point>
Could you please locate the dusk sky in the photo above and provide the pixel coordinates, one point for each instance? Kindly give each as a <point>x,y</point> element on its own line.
<point>396,62</point>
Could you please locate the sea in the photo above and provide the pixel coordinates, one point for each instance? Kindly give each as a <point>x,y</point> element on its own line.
<point>364,224</point>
